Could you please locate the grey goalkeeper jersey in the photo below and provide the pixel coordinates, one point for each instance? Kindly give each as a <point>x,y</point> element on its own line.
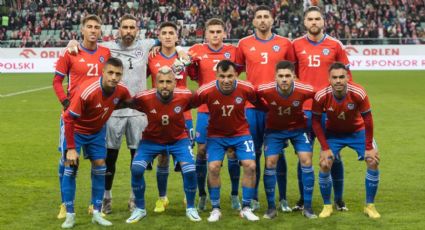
<point>135,60</point>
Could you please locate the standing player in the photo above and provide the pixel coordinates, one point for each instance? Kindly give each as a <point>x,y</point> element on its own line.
<point>226,98</point>
<point>285,121</point>
<point>167,56</point>
<point>260,53</point>
<point>85,65</point>
<point>205,58</point>
<point>349,123</point>
<point>85,128</point>
<point>134,55</point>
<point>314,53</point>
<point>165,134</point>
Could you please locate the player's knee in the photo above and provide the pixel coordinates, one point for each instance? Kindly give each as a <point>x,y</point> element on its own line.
<point>249,167</point>
<point>271,162</point>
<point>371,163</point>
<point>138,168</point>
<point>214,168</point>
<point>305,161</point>
<point>98,162</point>
<point>324,166</point>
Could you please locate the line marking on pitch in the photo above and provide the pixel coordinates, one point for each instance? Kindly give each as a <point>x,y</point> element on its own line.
<point>25,91</point>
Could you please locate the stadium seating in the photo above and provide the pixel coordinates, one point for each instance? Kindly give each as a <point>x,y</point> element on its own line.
<point>352,21</point>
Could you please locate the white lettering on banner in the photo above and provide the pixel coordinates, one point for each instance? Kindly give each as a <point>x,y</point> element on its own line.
<point>385,50</point>
<point>16,66</point>
<point>31,53</point>
<point>24,65</point>
<point>387,62</point>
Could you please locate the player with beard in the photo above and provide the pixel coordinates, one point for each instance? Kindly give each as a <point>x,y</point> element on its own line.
<point>314,53</point>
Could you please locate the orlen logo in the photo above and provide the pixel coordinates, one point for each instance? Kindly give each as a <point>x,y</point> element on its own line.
<point>27,53</point>
<point>351,50</point>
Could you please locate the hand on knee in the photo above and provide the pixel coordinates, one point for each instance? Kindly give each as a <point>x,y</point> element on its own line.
<point>371,163</point>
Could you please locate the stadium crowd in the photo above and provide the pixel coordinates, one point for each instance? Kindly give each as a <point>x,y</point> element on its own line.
<point>49,23</point>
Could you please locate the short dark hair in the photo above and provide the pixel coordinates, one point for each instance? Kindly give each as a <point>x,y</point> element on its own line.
<point>225,65</point>
<point>338,65</point>
<point>114,62</point>
<point>313,9</point>
<point>92,17</point>
<point>127,17</point>
<point>285,65</point>
<point>215,22</point>
<point>167,24</point>
<point>263,7</point>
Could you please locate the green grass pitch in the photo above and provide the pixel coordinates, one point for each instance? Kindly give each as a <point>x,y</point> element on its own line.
<point>29,193</point>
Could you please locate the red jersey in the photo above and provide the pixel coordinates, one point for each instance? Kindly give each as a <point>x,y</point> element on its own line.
<point>343,116</point>
<point>205,62</point>
<point>227,112</point>
<point>285,112</point>
<point>91,108</point>
<point>86,64</point>
<point>166,120</point>
<point>160,60</point>
<point>314,58</point>
<point>261,56</point>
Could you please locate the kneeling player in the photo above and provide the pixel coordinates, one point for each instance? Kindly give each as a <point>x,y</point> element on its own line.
<point>285,121</point>
<point>349,123</point>
<point>85,128</point>
<point>165,133</point>
<point>227,128</point>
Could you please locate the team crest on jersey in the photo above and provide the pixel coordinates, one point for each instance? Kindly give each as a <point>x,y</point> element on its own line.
<point>276,48</point>
<point>296,103</point>
<point>227,55</point>
<point>178,109</point>
<point>101,59</point>
<point>116,100</point>
<point>238,100</point>
<point>138,53</point>
<point>326,51</point>
<point>350,106</point>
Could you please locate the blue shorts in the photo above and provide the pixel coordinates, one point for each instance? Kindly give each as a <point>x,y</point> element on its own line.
<point>201,127</point>
<point>94,145</point>
<point>181,150</point>
<point>276,140</point>
<point>217,147</point>
<point>310,132</point>
<point>356,141</point>
<point>189,127</point>
<point>257,123</point>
